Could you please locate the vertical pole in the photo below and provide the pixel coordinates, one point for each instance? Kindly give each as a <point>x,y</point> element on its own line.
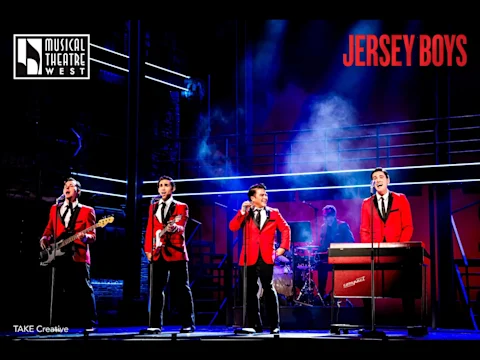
<point>131,286</point>
<point>433,256</point>
<point>445,261</point>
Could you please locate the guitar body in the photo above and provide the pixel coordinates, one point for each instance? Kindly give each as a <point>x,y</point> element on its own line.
<point>65,245</point>
<point>51,252</point>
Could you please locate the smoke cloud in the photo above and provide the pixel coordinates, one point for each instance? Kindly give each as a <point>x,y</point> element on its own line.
<point>211,153</point>
<point>316,147</point>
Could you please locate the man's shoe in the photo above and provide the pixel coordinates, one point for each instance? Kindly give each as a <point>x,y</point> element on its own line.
<point>189,329</point>
<point>258,329</point>
<point>90,330</point>
<point>151,330</point>
<point>275,331</point>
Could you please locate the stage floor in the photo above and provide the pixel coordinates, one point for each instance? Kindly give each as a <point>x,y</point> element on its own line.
<point>208,339</point>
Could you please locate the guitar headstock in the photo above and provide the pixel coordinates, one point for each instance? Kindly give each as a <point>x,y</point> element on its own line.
<point>104,221</point>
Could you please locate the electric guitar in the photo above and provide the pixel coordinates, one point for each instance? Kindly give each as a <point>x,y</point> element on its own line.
<point>52,251</point>
<point>159,234</point>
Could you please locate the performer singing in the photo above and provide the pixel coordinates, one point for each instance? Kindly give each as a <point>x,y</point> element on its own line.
<point>392,222</point>
<point>72,271</point>
<point>260,224</point>
<point>331,231</point>
<point>170,256</point>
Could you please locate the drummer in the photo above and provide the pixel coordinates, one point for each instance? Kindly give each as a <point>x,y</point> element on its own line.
<point>331,231</point>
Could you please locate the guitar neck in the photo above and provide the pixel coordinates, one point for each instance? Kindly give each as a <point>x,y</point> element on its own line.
<point>78,235</point>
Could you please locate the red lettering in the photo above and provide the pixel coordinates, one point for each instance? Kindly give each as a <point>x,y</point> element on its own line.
<point>358,50</point>
<point>437,50</point>
<point>425,52</point>
<point>449,43</point>
<point>384,40</point>
<point>348,60</point>
<point>386,50</point>
<point>372,46</point>
<point>408,40</point>
<point>462,59</point>
<point>395,50</point>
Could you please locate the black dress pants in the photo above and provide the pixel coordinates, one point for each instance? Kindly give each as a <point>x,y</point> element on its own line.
<point>176,273</point>
<point>74,300</point>
<point>264,272</point>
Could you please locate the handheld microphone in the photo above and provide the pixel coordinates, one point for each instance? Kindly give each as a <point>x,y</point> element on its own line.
<point>372,186</point>
<point>61,197</point>
<point>155,198</point>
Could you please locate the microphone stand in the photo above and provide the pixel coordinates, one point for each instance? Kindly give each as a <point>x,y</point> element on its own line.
<point>150,329</point>
<point>52,272</point>
<point>244,329</point>
<point>373,333</point>
<point>315,214</point>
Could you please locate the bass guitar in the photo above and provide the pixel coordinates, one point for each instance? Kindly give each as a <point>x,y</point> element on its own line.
<point>52,251</point>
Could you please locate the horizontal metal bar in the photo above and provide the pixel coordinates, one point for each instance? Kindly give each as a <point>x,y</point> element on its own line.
<point>319,172</point>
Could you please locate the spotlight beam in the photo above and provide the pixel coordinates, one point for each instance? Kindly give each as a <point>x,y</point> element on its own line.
<point>146,63</point>
<point>146,76</point>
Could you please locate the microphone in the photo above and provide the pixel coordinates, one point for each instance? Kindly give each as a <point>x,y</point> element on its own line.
<point>61,197</point>
<point>155,198</point>
<point>372,186</point>
<point>309,204</point>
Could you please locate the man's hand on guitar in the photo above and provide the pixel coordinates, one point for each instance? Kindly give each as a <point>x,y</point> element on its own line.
<point>86,238</point>
<point>44,242</point>
<point>149,256</point>
<point>172,227</point>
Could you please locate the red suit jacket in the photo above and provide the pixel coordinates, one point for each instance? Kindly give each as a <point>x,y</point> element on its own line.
<point>261,240</point>
<point>173,247</point>
<point>85,219</point>
<point>398,226</point>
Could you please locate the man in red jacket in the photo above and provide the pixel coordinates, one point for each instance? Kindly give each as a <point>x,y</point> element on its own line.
<point>167,220</point>
<point>392,222</point>
<point>72,270</point>
<point>392,216</point>
<point>260,224</point>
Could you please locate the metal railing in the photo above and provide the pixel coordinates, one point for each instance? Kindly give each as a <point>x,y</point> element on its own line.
<point>352,147</point>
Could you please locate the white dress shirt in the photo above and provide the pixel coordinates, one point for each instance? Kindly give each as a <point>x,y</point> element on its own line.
<point>66,208</point>
<point>159,210</point>
<point>263,216</point>
<point>386,198</point>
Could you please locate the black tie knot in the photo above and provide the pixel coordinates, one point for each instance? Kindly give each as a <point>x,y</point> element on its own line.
<point>257,216</point>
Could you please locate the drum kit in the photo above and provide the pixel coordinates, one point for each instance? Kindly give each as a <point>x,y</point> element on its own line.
<point>303,261</point>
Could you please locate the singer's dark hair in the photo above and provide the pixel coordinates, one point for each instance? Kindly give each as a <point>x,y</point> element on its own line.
<point>253,189</point>
<point>329,210</point>
<point>379,169</point>
<point>79,186</point>
<point>165,177</point>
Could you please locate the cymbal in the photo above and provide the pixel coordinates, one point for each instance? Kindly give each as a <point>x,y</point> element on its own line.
<point>282,259</point>
<point>309,247</point>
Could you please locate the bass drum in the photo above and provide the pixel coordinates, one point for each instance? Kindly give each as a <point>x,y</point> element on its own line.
<point>282,283</point>
<point>283,280</point>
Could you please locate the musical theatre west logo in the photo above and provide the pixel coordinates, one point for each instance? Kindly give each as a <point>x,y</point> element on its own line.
<point>51,57</point>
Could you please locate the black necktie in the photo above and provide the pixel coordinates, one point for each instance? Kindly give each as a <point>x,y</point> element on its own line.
<point>163,211</point>
<point>384,212</point>
<point>257,217</point>
<point>68,208</point>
